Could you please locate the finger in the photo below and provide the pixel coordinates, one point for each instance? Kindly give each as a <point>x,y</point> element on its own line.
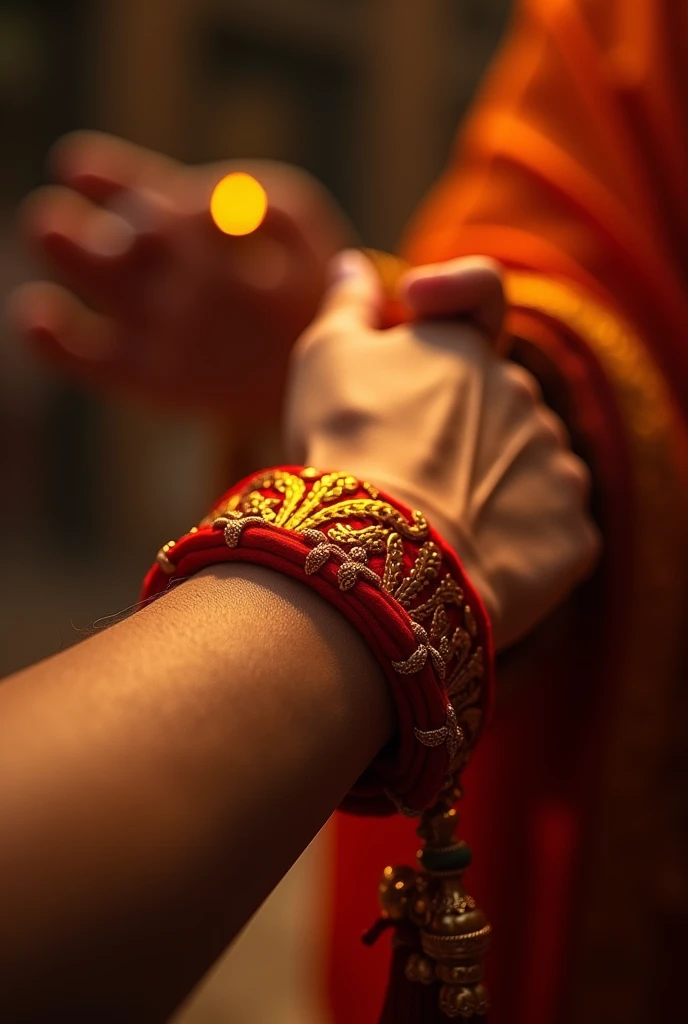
<point>354,299</point>
<point>471,286</point>
<point>522,382</point>
<point>526,385</point>
<point>580,477</point>
<point>101,166</point>
<point>79,240</point>
<point>98,253</point>
<point>552,426</point>
<point>66,333</point>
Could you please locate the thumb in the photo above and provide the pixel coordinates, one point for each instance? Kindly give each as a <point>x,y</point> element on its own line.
<point>470,286</point>
<point>355,296</point>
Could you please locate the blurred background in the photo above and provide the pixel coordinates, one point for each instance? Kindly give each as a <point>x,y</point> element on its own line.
<point>366,94</point>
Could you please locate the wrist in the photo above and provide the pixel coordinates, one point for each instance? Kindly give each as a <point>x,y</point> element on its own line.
<point>396,581</point>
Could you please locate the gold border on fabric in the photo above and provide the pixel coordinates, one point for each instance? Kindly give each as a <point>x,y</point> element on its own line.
<point>623,906</point>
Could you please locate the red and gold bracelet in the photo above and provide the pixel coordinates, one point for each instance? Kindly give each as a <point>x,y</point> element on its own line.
<point>403,588</point>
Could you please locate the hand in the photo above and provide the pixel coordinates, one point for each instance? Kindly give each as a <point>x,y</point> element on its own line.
<point>151,298</point>
<point>430,413</point>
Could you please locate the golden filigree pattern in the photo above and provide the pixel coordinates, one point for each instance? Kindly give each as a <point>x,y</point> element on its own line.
<point>426,568</point>
<point>393,563</point>
<point>423,651</point>
<point>328,488</point>
<point>363,508</point>
<point>234,524</point>
<point>354,563</point>
<point>372,538</point>
<point>465,673</point>
<point>450,735</point>
<point>440,627</point>
<point>448,591</point>
<point>316,507</point>
<point>258,505</point>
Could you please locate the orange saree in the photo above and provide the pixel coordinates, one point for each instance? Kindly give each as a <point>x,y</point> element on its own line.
<point>573,172</point>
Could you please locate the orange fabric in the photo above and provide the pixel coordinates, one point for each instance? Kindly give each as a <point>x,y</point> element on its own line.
<point>573,165</point>
<point>575,162</point>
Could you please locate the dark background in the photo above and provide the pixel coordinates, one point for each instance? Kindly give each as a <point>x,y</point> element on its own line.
<point>367,94</point>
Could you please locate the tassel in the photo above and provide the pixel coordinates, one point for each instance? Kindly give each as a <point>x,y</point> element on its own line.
<point>441,936</point>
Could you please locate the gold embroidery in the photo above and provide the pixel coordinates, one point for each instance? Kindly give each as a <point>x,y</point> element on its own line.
<point>448,591</point>
<point>380,511</point>
<point>372,538</point>
<point>233,525</point>
<point>165,563</point>
<point>441,626</point>
<point>393,562</point>
<point>293,490</point>
<point>301,511</point>
<point>450,734</point>
<point>257,505</point>
<point>314,508</point>
<point>469,619</point>
<point>425,569</point>
<point>353,563</point>
<point>328,488</point>
<point>460,643</point>
<point>463,675</point>
<point>420,656</point>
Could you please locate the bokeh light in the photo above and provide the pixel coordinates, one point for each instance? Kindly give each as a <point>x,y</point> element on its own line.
<point>238,204</point>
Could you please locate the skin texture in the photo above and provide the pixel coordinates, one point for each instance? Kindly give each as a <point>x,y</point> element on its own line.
<point>152,785</point>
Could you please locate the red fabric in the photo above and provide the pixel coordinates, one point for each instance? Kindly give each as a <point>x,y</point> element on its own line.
<point>573,166</point>
<point>412,771</point>
<point>530,787</point>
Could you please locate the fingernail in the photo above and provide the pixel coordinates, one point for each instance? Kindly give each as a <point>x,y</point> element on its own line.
<point>348,263</point>
<point>108,235</point>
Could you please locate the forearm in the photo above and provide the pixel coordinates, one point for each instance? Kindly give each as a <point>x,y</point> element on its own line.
<point>211,735</point>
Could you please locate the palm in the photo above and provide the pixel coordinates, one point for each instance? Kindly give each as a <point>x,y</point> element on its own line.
<point>177,312</point>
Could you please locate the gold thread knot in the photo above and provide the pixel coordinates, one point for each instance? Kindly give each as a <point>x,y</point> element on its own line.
<point>450,734</point>
<point>416,662</point>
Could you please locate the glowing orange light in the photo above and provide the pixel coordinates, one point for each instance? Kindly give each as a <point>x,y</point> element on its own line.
<point>238,204</point>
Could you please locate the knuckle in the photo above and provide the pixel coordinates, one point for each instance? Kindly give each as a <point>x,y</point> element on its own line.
<point>315,341</point>
<point>576,474</point>
<point>522,384</point>
<point>550,426</point>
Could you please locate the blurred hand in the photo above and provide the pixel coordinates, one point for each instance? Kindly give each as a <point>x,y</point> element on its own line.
<point>150,298</point>
<point>430,413</point>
